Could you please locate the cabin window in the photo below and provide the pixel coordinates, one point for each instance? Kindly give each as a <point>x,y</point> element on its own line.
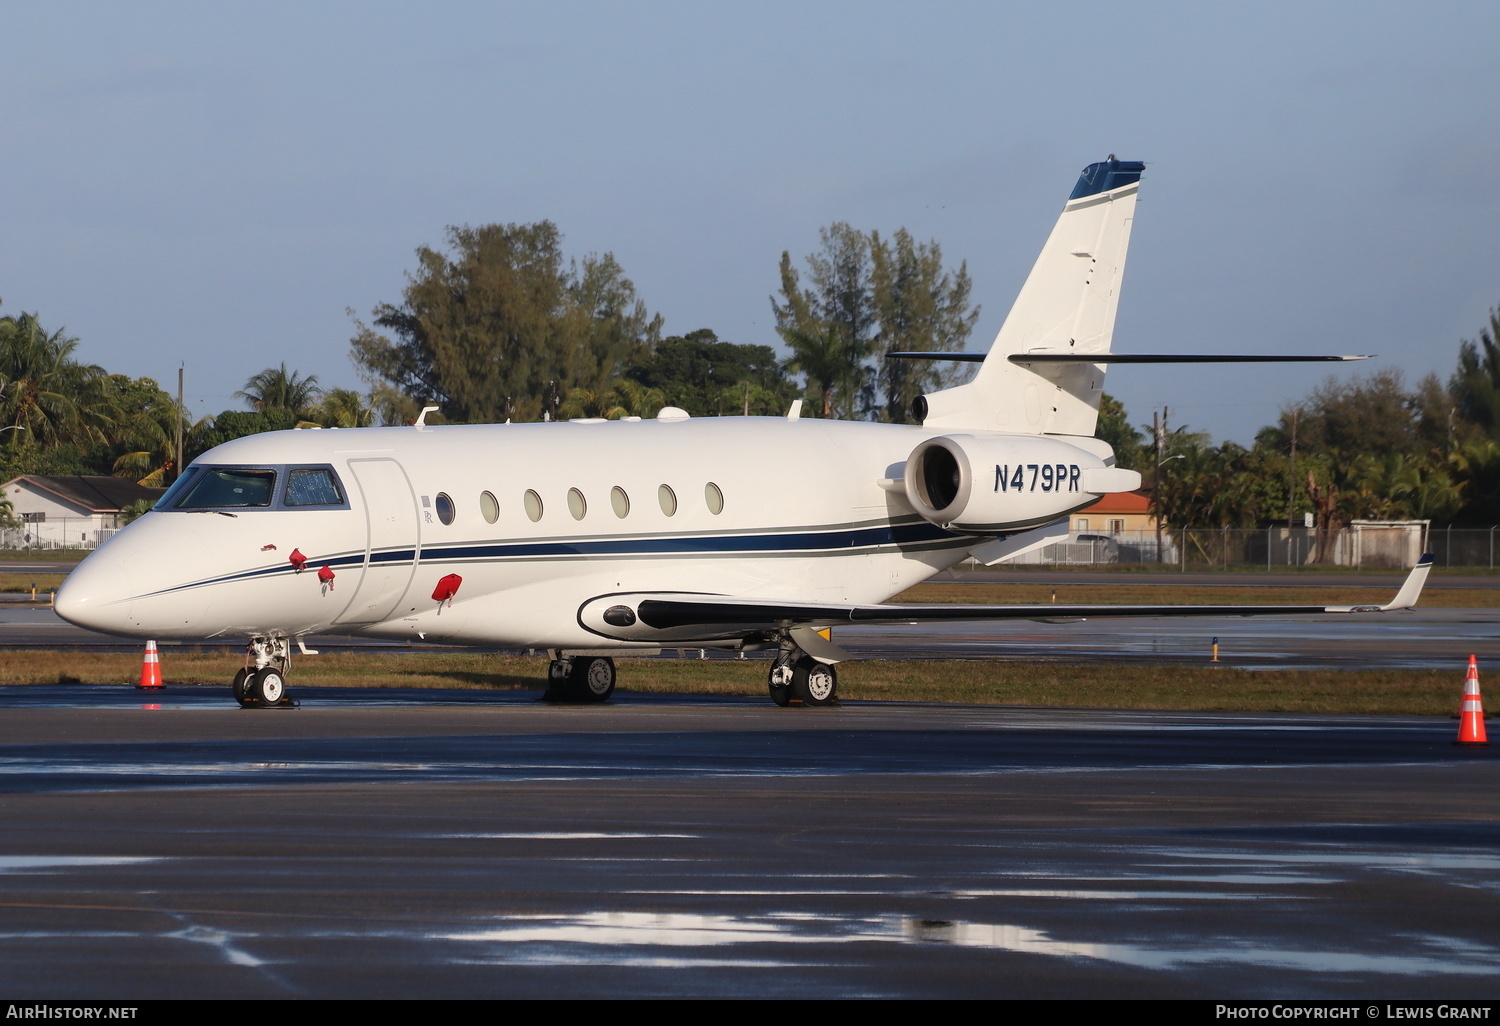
<point>313,487</point>
<point>445,510</point>
<point>576,505</point>
<point>489,507</point>
<point>714,498</point>
<point>222,487</point>
<point>668,500</point>
<point>619,501</point>
<point>533,505</point>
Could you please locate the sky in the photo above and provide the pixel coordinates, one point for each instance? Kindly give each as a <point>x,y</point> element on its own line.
<point>218,185</point>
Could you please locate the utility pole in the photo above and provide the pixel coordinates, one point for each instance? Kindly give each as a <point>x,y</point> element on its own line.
<point>1159,431</point>
<point>1291,488</point>
<point>181,412</point>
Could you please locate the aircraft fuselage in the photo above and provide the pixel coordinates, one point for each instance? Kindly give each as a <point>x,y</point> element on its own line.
<point>537,520</point>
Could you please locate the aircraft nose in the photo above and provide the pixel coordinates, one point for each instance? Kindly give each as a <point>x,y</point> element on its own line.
<point>96,595</point>
<point>127,587</point>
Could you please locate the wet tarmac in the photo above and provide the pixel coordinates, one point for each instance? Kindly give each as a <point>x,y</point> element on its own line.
<point>465,844</point>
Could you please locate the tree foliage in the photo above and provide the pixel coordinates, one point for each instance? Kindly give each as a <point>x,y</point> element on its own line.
<point>1476,384</point>
<point>44,392</point>
<point>866,296</point>
<point>277,388</point>
<point>919,307</point>
<point>710,378</point>
<point>1114,428</point>
<point>500,325</point>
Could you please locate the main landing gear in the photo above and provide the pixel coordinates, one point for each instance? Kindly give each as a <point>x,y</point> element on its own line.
<point>580,679</point>
<point>796,678</point>
<point>261,682</point>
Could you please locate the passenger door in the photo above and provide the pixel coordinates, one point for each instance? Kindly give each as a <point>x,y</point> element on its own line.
<point>393,535</point>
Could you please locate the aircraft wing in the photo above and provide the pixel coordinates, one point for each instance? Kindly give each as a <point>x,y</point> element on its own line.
<point>675,612</point>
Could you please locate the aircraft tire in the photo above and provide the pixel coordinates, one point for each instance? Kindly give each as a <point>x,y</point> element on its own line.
<point>815,683</point>
<point>779,682</point>
<point>592,679</point>
<point>268,686</point>
<point>241,687</point>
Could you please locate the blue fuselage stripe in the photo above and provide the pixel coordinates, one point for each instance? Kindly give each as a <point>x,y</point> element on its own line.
<point>833,541</point>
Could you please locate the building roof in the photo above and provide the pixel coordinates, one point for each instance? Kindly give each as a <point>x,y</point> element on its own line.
<point>1121,502</point>
<point>95,493</point>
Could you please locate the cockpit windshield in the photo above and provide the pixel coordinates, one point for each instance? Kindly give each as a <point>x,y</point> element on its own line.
<point>277,487</point>
<point>222,487</point>
<point>312,486</point>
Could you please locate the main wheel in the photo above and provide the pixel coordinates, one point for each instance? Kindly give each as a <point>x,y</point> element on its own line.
<point>814,683</point>
<point>268,686</point>
<point>241,686</point>
<point>779,681</point>
<point>592,679</point>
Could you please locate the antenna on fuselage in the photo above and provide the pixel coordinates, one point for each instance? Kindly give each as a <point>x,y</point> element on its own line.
<point>421,420</point>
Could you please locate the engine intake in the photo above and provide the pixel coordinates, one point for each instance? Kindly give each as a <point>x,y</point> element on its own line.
<point>999,483</point>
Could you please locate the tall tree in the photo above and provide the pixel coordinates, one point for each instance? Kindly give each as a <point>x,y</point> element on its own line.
<point>823,357</point>
<point>1347,419</point>
<point>835,316</point>
<point>1114,427</point>
<point>500,324</point>
<point>44,392</point>
<point>1476,384</point>
<point>276,388</point>
<point>708,377</point>
<point>867,294</point>
<point>144,432</point>
<point>919,307</point>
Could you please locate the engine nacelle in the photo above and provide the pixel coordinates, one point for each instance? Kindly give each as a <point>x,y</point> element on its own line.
<point>998,483</point>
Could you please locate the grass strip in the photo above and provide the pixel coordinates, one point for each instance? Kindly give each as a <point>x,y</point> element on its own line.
<point>24,582</point>
<point>1391,692</point>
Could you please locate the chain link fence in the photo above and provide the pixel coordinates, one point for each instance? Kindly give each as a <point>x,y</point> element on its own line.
<point>1375,544</point>
<point>59,533</point>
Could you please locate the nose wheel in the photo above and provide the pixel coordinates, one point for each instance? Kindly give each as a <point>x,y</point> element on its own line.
<point>261,683</point>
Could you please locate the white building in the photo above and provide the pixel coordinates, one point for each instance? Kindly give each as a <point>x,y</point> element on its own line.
<point>69,512</point>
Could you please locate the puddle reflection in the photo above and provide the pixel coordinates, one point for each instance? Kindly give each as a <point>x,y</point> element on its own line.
<point>617,937</point>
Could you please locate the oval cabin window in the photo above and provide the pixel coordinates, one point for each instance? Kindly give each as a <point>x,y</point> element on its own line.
<point>444,506</point>
<point>489,507</point>
<point>576,505</point>
<point>714,498</point>
<point>533,505</point>
<point>668,500</point>
<point>620,501</point>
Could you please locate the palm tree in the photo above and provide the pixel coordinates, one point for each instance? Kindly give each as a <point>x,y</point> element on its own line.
<point>44,392</point>
<point>345,408</point>
<point>625,398</point>
<point>829,361</point>
<point>276,388</point>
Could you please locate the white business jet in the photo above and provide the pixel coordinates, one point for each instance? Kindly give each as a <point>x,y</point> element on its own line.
<point>594,539</point>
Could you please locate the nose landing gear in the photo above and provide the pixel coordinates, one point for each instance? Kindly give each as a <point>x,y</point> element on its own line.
<point>261,682</point>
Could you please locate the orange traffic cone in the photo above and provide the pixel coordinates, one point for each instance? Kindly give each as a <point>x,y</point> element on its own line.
<point>150,670</point>
<point>1471,710</point>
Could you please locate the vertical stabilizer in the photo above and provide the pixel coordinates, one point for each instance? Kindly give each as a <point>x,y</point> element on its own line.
<point>1066,306</point>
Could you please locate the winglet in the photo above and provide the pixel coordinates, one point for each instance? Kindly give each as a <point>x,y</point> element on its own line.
<point>1407,596</point>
